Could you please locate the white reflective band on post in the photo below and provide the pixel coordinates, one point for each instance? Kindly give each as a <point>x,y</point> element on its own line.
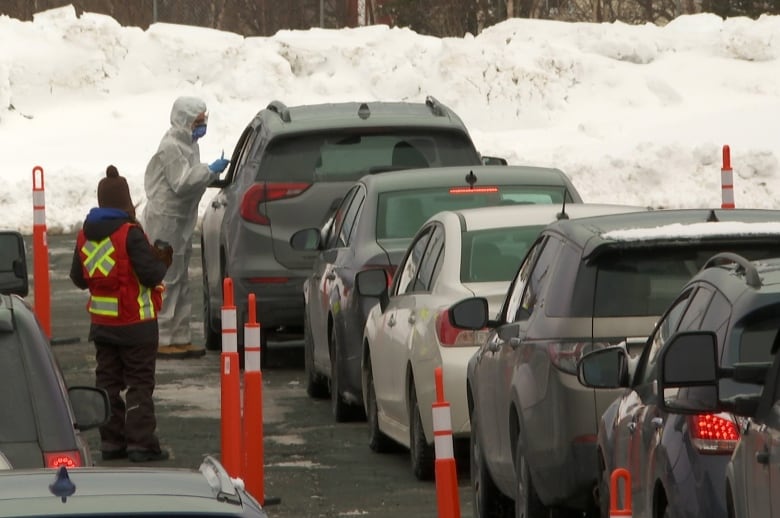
<point>728,196</point>
<point>727,177</point>
<point>252,348</point>
<point>442,420</point>
<point>442,444</point>
<point>229,331</point>
<point>39,199</point>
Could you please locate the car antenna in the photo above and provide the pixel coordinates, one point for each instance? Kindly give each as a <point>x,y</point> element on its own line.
<point>62,485</point>
<point>471,179</point>
<point>712,216</point>
<point>562,214</point>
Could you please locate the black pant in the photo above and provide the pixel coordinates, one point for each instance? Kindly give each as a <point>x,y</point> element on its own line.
<point>132,423</point>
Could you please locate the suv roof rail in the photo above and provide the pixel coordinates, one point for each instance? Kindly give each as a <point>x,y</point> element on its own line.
<point>751,273</point>
<point>280,109</point>
<point>437,108</point>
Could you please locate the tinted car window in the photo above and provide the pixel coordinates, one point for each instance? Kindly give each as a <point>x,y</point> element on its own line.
<point>494,254</point>
<point>430,259</point>
<point>402,213</point>
<point>717,317</point>
<point>699,304</point>
<point>564,294</point>
<point>410,266</point>
<point>518,284</point>
<point>538,279</point>
<point>351,217</point>
<point>348,155</point>
<point>338,218</point>
<point>666,328</point>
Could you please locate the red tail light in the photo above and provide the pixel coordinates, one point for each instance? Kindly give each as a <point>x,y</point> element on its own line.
<point>267,191</point>
<point>451,336</point>
<point>713,433</point>
<point>69,459</point>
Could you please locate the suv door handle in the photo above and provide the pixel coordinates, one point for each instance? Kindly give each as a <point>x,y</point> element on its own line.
<point>412,319</point>
<point>217,204</point>
<point>391,321</point>
<point>631,427</point>
<point>515,341</point>
<point>762,457</point>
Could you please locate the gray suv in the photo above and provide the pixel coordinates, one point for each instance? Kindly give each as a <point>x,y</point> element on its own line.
<point>289,170</point>
<point>585,284</point>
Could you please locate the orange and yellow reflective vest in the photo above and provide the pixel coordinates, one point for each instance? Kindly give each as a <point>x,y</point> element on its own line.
<point>116,297</point>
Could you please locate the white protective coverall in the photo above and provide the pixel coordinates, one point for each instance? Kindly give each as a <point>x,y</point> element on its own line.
<point>175,181</point>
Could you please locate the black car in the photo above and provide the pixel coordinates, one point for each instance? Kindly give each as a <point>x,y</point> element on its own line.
<point>41,419</point>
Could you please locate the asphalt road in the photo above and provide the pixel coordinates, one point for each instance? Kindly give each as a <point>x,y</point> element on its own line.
<point>314,467</point>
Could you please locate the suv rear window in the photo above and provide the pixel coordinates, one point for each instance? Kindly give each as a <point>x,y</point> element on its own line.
<point>401,213</point>
<point>640,281</point>
<point>348,155</point>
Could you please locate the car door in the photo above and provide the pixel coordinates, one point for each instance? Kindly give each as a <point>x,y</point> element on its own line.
<point>211,227</point>
<point>318,302</point>
<point>388,356</point>
<point>495,369</point>
<point>631,435</point>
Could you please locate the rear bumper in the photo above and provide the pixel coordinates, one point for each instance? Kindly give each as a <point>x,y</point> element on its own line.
<point>277,304</point>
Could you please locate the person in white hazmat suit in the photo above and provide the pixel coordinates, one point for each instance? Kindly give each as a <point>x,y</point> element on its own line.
<point>175,181</point>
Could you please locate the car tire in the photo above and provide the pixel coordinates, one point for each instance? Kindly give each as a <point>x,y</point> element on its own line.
<point>212,338</point>
<point>421,453</point>
<point>316,384</point>
<point>377,440</point>
<point>488,500</point>
<point>341,410</point>
<point>527,503</point>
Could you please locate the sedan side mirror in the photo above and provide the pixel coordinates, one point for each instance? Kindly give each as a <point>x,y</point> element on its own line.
<point>688,374</point>
<point>13,264</point>
<point>604,368</point>
<point>307,240</point>
<point>471,313</point>
<point>373,283</point>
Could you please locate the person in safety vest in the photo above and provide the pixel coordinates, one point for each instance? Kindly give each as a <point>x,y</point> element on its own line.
<point>123,272</point>
<point>175,181</point>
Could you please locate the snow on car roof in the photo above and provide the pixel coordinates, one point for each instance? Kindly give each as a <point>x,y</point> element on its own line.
<point>689,230</point>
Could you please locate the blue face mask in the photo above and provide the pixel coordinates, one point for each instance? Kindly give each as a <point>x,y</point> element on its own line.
<point>198,132</point>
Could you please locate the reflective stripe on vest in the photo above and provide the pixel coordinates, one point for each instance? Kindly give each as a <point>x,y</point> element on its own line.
<point>98,256</point>
<point>107,306</point>
<point>145,304</point>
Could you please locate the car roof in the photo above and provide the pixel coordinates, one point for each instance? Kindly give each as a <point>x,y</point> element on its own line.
<point>487,175</point>
<point>281,119</point>
<point>126,490</point>
<point>536,214</point>
<point>668,226</point>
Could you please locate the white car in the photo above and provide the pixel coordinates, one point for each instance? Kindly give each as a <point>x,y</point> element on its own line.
<point>454,255</point>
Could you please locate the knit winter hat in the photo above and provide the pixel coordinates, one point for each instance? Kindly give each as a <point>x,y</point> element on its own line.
<point>113,192</point>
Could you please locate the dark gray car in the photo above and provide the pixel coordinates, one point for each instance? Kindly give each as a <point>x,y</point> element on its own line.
<point>290,168</point>
<point>41,420</point>
<point>730,363</point>
<point>372,228</point>
<point>586,284</point>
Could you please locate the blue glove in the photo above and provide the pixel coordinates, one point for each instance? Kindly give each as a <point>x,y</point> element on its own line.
<point>219,165</point>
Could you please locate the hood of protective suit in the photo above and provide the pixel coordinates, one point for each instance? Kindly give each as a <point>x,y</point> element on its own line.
<point>184,112</point>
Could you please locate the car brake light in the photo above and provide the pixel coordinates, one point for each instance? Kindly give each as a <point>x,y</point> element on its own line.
<point>69,459</point>
<point>473,190</point>
<point>566,355</point>
<point>451,336</point>
<point>713,433</point>
<point>264,192</point>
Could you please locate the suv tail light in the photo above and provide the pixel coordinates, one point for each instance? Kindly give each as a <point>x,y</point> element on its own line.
<point>451,336</point>
<point>267,191</point>
<point>566,355</point>
<point>713,433</point>
<point>69,459</point>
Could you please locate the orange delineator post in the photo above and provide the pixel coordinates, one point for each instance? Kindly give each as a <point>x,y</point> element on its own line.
<point>447,497</point>
<point>253,407</point>
<point>727,181</point>
<point>625,510</point>
<point>42,288</point>
<point>230,385</point>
